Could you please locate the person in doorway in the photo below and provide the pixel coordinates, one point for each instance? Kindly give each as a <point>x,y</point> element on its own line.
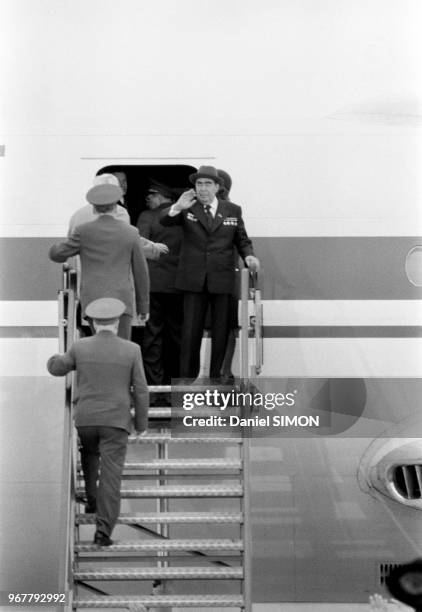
<point>122,178</point>
<point>212,230</point>
<point>161,338</point>
<point>86,213</point>
<point>152,250</point>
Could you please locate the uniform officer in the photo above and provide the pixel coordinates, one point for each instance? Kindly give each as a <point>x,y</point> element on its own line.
<point>86,213</point>
<point>212,230</point>
<point>161,338</point>
<point>106,367</point>
<point>110,252</point>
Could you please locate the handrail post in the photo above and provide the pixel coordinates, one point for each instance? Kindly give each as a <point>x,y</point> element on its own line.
<point>67,335</point>
<point>244,325</point>
<point>247,530</point>
<point>246,433</point>
<point>259,345</point>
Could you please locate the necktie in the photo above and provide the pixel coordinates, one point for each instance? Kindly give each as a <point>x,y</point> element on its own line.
<point>208,214</point>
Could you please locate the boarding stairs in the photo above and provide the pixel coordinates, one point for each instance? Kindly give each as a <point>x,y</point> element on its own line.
<point>183,539</point>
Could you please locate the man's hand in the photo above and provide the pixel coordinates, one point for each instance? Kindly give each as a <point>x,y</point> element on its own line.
<point>141,434</point>
<point>161,248</point>
<point>142,319</point>
<point>186,200</point>
<point>252,262</point>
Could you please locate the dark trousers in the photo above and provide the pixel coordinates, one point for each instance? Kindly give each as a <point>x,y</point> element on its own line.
<point>162,337</point>
<point>194,311</point>
<point>125,326</point>
<point>103,452</point>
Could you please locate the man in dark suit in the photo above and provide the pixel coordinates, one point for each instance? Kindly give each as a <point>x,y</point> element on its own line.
<point>106,367</point>
<point>110,251</point>
<point>212,230</point>
<point>161,338</point>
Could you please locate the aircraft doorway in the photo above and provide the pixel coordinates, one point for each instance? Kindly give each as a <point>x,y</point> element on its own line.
<point>138,178</point>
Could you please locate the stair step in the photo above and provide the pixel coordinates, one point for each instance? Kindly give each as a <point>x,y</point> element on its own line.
<point>177,412</point>
<point>169,518</point>
<point>158,412</point>
<point>179,491</point>
<point>182,464</point>
<point>157,573</point>
<point>165,601</point>
<point>186,464</point>
<point>160,388</point>
<point>200,385</point>
<point>164,545</point>
<point>172,439</point>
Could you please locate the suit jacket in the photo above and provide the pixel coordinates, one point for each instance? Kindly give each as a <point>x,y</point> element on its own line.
<point>162,273</point>
<point>87,214</point>
<point>110,251</point>
<point>106,367</point>
<point>208,253</point>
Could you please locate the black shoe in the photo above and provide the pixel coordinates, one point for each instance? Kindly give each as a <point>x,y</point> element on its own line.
<point>90,508</point>
<point>101,539</point>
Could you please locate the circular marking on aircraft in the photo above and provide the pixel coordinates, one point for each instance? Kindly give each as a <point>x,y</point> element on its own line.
<point>413,266</point>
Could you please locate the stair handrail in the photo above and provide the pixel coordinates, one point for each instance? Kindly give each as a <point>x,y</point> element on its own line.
<point>249,290</point>
<point>67,305</point>
<point>258,326</point>
<point>244,324</point>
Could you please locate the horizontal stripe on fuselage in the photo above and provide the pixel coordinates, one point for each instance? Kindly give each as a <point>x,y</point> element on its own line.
<point>269,331</point>
<point>294,268</point>
<point>286,313</point>
<point>282,319</point>
<point>286,357</point>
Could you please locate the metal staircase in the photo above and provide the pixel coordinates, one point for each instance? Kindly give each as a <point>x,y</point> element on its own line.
<point>185,541</point>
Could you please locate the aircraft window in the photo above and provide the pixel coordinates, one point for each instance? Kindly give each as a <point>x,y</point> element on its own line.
<point>138,178</point>
<point>414,266</point>
<point>408,481</point>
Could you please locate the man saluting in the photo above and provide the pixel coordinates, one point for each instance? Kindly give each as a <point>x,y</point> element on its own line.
<point>107,367</point>
<point>212,230</point>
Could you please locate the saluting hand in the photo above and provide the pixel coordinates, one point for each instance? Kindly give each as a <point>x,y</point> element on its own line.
<point>186,200</point>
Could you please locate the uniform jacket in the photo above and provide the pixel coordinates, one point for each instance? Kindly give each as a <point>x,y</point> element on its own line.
<point>110,251</point>
<point>87,214</point>
<point>162,273</point>
<point>106,367</point>
<point>209,253</point>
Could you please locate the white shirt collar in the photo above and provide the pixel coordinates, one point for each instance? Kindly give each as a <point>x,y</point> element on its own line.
<point>105,328</point>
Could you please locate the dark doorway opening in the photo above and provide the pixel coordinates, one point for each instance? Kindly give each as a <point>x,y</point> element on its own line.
<point>138,178</point>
